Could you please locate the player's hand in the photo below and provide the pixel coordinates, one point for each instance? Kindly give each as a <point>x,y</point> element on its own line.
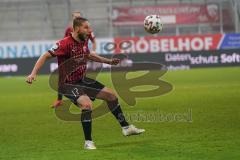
<point>31,78</point>
<point>93,52</point>
<point>115,61</point>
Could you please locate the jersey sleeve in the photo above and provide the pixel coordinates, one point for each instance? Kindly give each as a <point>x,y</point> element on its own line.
<point>58,49</point>
<point>68,32</point>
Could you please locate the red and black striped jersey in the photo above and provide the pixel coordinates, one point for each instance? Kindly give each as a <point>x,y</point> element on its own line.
<point>72,59</point>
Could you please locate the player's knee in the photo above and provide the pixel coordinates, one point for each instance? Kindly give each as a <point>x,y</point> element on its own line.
<point>84,102</point>
<point>86,105</point>
<point>111,96</point>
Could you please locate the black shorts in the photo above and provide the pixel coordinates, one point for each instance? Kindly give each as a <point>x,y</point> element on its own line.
<point>86,86</point>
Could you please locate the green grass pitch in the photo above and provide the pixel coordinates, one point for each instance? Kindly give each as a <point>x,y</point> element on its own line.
<point>29,129</point>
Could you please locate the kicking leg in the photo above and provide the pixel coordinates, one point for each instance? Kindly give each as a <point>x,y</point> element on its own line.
<point>110,97</point>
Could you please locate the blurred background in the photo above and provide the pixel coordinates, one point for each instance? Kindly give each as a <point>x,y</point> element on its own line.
<point>28,28</point>
<point>47,19</point>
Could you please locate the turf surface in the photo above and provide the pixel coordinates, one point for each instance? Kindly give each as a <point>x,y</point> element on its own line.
<point>209,99</point>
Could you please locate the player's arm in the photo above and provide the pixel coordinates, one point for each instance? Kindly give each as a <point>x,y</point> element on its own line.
<point>37,67</point>
<point>93,40</point>
<point>57,50</point>
<point>94,44</point>
<point>96,58</point>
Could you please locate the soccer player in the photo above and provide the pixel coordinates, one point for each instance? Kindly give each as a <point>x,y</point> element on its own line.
<point>73,47</point>
<point>68,32</point>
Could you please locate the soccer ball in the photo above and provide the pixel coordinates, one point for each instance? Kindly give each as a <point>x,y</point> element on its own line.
<point>153,24</point>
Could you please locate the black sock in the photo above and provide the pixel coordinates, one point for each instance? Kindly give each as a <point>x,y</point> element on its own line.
<point>117,112</point>
<point>86,119</point>
<point>60,96</point>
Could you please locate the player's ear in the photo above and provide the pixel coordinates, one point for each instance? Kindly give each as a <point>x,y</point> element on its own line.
<point>76,29</point>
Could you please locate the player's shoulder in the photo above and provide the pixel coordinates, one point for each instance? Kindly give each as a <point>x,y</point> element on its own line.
<point>60,44</point>
<point>69,28</point>
<point>65,40</point>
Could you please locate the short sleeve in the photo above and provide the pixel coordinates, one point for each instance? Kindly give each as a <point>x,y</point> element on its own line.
<point>68,32</point>
<point>58,49</point>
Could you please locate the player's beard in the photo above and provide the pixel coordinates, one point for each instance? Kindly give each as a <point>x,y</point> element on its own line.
<point>82,36</point>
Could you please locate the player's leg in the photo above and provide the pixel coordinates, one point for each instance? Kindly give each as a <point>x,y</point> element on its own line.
<point>59,101</point>
<point>85,104</point>
<point>83,101</point>
<point>110,97</point>
<point>60,96</point>
<point>95,89</point>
